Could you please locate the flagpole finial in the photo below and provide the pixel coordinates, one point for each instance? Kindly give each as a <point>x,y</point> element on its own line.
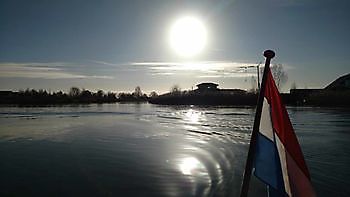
<point>269,54</point>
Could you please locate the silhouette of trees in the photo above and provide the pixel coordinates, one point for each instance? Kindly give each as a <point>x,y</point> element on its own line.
<point>86,95</point>
<point>175,89</point>
<point>75,95</point>
<point>136,96</point>
<point>74,92</point>
<point>153,94</point>
<point>176,97</point>
<point>100,93</point>
<point>111,96</point>
<point>137,92</point>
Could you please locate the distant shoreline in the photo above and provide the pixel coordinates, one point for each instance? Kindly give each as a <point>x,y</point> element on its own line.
<point>238,99</point>
<point>75,96</point>
<point>315,99</point>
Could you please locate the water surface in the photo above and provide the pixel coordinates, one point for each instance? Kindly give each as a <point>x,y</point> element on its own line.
<point>150,150</point>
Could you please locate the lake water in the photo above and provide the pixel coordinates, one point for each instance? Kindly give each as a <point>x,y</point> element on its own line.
<point>150,150</point>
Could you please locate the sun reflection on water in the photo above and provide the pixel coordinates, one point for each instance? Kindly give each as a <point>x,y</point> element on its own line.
<point>193,116</point>
<point>191,166</point>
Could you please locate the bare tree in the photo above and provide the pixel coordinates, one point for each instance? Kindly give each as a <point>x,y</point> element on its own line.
<point>74,92</point>
<point>100,93</point>
<point>175,89</point>
<point>153,94</point>
<point>293,86</point>
<point>254,85</point>
<point>279,75</point>
<point>137,92</point>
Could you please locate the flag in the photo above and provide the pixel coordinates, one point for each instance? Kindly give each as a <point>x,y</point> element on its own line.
<point>278,160</point>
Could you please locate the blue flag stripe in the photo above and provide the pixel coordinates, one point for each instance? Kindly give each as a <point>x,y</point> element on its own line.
<point>267,164</point>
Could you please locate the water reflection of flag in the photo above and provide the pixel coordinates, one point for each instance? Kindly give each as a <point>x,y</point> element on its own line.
<point>278,160</point>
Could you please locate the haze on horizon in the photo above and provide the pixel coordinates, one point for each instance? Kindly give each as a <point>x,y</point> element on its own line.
<point>118,45</point>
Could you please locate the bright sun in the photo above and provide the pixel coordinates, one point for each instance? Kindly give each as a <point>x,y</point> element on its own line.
<point>188,36</point>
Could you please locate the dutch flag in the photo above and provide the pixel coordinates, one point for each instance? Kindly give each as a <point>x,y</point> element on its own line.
<point>278,160</point>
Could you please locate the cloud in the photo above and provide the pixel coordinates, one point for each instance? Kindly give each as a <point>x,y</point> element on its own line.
<point>162,73</point>
<point>206,69</point>
<point>104,63</point>
<point>42,71</point>
<point>209,76</point>
<point>227,75</point>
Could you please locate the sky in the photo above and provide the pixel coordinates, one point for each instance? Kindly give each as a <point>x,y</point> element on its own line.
<point>118,45</point>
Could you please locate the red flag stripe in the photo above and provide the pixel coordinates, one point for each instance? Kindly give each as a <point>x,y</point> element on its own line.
<point>282,125</point>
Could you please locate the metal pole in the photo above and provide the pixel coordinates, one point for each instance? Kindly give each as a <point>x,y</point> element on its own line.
<point>257,67</point>
<point>269,54</point>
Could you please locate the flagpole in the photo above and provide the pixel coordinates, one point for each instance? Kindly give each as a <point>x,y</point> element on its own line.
<point>269,54</point>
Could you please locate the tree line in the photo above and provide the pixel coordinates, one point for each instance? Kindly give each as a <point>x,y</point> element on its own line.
<point>75,95</point>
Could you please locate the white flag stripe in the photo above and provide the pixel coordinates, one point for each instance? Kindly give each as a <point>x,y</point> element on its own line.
<point>283,160</point>
<point>265,127</point>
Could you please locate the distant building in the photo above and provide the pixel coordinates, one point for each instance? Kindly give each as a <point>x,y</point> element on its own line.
<point>342,83</point>
<point>203,87</point>
<point>207,94</point>
<point>213,88</point>
<point>301,95</point>
<point>232,91</point>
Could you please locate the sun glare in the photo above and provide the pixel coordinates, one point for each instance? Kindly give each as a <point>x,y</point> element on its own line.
<point>188,36</point>
<point>190,165</point>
